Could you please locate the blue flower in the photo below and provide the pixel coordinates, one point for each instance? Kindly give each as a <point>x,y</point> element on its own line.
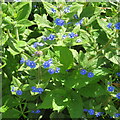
<point>118,95</point>
<point>78,40</point>
<point>91,112</point>
<point>35,6</point>
<point>17,0</point>
<point>22,61</point>
<point>41,44</point>
<point>118,74</point>
<point>85,110</point>
<point>117,26</point>
<point>19,92</point>
<point>13,89</point>
<point>28,62</point>
<point>67,10</point>
<point>98,114</point>
<point>57,70</point>
<point>38,44</point>
<point>83,72</point>
<point>109,25</point>
<point>51,71</point>
<point>47,64</point>
<point>71,35</point>
<point>44,38</point>
<point>77,23</point>
<point>80,22</point>
<point>68,23</point>
<point>90,74</point>
<point>32,64</point>
<point>53,10</point>
<point>64,36</point>
<point>39,90</point>
<point>111,88</point>
<point>51,37</point>
<point>59,22</point>
<point>35,44</point>
<point>76,16</point>
<point>117,115</point>
<point>37,111</point>
<point>34,89</point>
<point>32,111</point>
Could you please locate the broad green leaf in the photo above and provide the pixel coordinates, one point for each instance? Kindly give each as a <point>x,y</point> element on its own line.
<point>16,82</point>
<point>47,102</point>
<point>24,22</point>
<point>41,21</point>
<point>24,11</point>
<point>21,43</point>
<point>11,113</point>
<point>57,107</point>
<point>92,90</point>
<point>75,106</point>
<point>4,108</point>
<point>66,57</point>
<point>110,109</point>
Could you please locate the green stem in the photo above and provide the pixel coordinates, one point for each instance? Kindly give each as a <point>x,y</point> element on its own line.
<point>17,35</point>
<point>39,71</point>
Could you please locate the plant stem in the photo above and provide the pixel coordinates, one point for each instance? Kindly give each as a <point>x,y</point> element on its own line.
<point>17,35</point>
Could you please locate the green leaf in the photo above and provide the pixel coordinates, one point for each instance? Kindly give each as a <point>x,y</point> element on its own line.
<point>103,24</point>
<point>75,106</point>
<point>57,107</point>
<point>16,82</point>
<point>66,57</point>
<point>11,113</point>
<point>4,108</point>
<point>88,11</point>
<point>111,110</point>
<point>24,23</point>
<point>47,102</point>
<point>21,43</point>
<point>92,90</point>
<point>41,21</point>
<point>24,11</point>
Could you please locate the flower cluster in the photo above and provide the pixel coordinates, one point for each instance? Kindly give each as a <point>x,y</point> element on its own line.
<point>38,90</point>
<point>50,37</point>
<point>75,16</point>
<point>118,74</point>
<point>118,95</point>
<point>59,22</point>
<point>18,92</point>
<point>67,9</point>
<point>38,53</point>
<point>111,88</point>
<point>117,25</point>
<point>78,40</point>
<point>29,63</point>
<point>70,35</point>
<point>117,115</point>
<point>80,22</point>
<point>48,63</point>
<point>36,44</point>
<point>52,71</point>
<point>92,112</point>
<point>53,10</point>
<point>37,111</point>
<point>83,72</point>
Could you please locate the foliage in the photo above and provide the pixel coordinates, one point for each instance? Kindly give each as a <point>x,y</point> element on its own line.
<point>60,60</point>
